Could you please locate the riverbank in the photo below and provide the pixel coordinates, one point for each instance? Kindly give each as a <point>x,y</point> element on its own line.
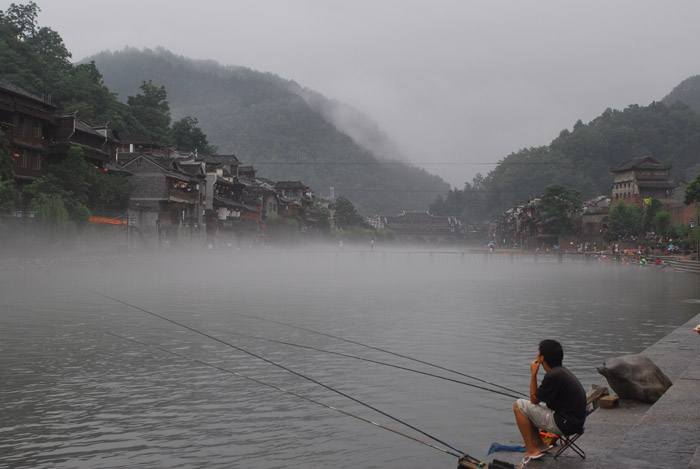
<point>663,435</point>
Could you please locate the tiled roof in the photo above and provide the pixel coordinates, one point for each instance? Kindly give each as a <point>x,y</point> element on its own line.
<point>222,159</point>
<point>290,185</point>
<point>656,184</point>
<point>12,88</point>
<point>640,162</point>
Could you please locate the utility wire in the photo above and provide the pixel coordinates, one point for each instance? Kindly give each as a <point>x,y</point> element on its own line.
<point>388,163</point>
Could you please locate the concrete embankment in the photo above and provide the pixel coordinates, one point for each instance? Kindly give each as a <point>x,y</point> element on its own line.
<point>637,435</point>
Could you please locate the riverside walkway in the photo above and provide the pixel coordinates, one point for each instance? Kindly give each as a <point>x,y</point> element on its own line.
<point>637,435</point>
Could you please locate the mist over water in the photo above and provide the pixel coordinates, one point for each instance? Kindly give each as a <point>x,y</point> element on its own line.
<point>72,395</point>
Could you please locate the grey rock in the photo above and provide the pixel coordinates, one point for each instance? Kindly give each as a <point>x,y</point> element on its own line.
<point>635,377</point>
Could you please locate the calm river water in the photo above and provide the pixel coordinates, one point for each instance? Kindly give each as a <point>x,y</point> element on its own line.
<point>72,395</point>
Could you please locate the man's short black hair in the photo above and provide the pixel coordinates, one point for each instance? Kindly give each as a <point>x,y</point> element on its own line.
<point>552,352</point>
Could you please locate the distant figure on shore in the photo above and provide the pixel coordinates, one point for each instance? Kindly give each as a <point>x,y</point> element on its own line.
<point>340,244</point>
<point>371,245</point>
<point>557,406</point>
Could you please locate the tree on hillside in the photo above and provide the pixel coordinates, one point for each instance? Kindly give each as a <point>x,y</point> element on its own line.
<point>557,207</point>
<point>152,110</point>
<point>6,171</point>
<point>467,204</point>
<point>8,194</point>
<point>662,223</point>
<point>187,136</point>
<point>22,19</point>
<point>692,192</point>
<point>345,215</point>
<point>625,220</point>
<point>653,206</point>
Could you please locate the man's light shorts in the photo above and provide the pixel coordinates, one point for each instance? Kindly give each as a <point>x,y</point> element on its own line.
<point>540,415</point>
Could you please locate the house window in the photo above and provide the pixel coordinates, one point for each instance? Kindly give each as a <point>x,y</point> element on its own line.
<point>36,162</point>
<point>36,129</point>
<point>23,159</point>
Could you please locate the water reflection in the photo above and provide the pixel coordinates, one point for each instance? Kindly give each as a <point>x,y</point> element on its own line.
<point>73,396</point>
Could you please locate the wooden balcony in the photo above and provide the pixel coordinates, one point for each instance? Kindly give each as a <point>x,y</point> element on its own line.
<point>183,196</point>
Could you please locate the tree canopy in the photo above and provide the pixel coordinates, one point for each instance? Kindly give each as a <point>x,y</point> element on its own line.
<point>558,206</point>
<point>692,192</point>
<point>187,136</point>
<point>346,215</point>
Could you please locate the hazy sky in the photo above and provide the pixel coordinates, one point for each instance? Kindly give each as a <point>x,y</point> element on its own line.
<point>456,81</point>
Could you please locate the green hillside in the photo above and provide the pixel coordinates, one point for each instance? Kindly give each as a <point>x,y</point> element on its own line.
<point>581,158</point>
<point>687,91</point>
<point>287,132</point>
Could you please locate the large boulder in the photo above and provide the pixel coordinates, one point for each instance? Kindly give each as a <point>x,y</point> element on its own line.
<point>635,377</point>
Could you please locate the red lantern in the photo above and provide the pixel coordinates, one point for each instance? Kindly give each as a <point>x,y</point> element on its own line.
<point>16,155</point>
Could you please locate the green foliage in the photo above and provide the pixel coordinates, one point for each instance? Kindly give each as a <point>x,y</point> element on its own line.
<point>384,234</point>
<point>75,189</point>
<point>324,215</point>
<point>22,19</point>
<point>557,207</point>
<point>624,221</point>
<point>650,213</point>
<point>662,223</point>
<point>187,136</point>
<point>355,234</point>
<point>582,158</point>
<point>9,196</point>
<point>6,164</point>
<point>692,192</point>
<point>346,215</point>
<point>470,203</point>
<point>151,109</point>
<point>282,230</point>
<point>51,211</point>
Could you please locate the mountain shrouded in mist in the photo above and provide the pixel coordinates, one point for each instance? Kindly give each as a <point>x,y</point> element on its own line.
<point>286,131</point>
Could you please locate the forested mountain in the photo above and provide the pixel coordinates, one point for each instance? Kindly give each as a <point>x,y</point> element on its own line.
<point>286,131</point>
<point>581,158</point>
<point>687,91</point>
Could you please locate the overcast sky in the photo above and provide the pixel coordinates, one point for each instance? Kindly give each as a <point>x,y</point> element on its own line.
<point>455,81</point>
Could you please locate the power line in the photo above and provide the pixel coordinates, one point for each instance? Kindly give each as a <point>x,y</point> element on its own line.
<point>388,163</point>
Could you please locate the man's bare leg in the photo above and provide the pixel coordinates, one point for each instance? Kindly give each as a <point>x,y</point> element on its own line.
<point>531,434</point>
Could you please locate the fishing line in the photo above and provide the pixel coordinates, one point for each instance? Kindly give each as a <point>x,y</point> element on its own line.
<point>292,393</point>
<point>277,365</point>
<point>389,352</point>
<point>376,362</point>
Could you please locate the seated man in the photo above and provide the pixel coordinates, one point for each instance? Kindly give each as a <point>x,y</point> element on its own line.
<point>563,395</point>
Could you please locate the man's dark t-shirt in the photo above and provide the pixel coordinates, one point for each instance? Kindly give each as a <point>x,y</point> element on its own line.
<point>563,393</point>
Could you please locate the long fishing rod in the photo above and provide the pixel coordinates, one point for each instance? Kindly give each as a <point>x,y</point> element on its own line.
<point>385,351</point>
<point>292,393</point>
<point>172,321</point>
<point>308,347</point>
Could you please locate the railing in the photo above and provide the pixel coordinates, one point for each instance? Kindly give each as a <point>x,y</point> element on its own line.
<point>182,195</point>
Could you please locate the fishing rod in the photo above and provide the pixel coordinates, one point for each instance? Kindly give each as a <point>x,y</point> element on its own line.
<point>172,321</point>
<point>389,352</point>
<point>286,391</point>
<point>446,378</point>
